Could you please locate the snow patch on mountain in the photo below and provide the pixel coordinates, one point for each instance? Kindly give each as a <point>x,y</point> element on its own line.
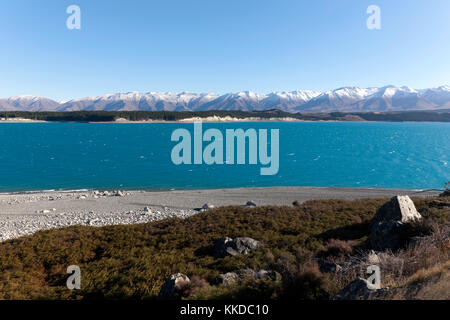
<point>345,99</point>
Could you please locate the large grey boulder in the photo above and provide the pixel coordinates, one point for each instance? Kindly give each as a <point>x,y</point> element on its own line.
<point>389,221</point>
<point>359,289</point>
<point>231,247</point>
<point>172,285</point>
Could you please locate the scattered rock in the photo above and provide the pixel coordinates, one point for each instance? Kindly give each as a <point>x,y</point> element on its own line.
<point>388,222</point>
<point>172,285</point>
<point>268,273</point>
<point>359,289</point>
<point>261,274</point>
<point>147,209</point>
<point>119,193</point>
<point>250,204</point>
<point>207,206</point>
<point>227,279</point>
<point>231,278</point>
<point>247,273</point>
<point>231,247</point>
<point>328,267</point>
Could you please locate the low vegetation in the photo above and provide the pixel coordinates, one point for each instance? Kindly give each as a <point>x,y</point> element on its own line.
<point>132,262</point>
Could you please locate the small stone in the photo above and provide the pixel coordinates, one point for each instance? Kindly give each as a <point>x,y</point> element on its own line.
<point>359,289</point>
<point>328,267</point>
<point>250,204</point>
<point>208,206</point>
<point>231,247</point>
<point>172,285</point>
<point>227,279</point>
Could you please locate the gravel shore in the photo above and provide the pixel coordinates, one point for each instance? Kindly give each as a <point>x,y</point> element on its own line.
<point>25,213</point>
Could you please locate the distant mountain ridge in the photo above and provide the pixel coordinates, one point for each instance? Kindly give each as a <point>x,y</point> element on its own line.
<point>347,99</point>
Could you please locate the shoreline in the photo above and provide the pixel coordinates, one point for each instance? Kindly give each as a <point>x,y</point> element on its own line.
<point>205,120</point>
<point>23,214</point>
<point>225,189</point>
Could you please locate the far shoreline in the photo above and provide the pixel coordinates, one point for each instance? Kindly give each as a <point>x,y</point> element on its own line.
<point>215,121</point>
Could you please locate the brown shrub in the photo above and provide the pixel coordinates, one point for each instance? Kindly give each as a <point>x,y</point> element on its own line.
<point>337,248</point>
<point>132,261</point>
<point>303,282</point>
<point>197,284</point>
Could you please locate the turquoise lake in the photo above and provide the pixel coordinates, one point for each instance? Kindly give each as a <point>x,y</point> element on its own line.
<point>43,156</point>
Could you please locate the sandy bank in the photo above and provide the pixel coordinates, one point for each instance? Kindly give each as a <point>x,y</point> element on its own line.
<point>19,120</point>
<point>212,119</point>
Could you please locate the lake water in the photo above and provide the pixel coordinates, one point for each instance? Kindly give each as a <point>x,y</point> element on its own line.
<point>42,156</point>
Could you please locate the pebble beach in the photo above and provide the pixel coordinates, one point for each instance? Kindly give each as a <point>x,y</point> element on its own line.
<point>23,214</point>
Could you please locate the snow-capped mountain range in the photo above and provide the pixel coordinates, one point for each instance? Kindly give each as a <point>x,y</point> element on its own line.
<point>348,99</point>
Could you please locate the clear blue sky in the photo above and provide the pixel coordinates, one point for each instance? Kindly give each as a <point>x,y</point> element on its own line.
<point>220,46</point>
